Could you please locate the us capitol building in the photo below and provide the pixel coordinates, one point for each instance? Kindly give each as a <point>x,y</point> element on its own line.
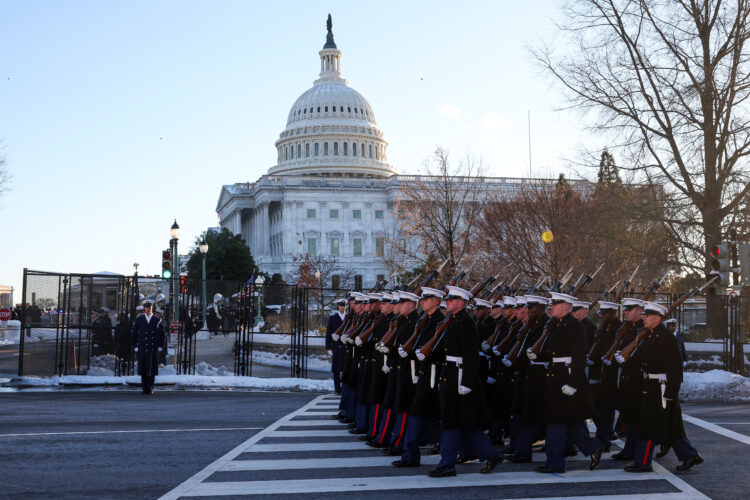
<point>332,188</point>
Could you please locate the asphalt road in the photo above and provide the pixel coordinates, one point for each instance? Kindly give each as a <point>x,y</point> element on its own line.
<point>225,444</point>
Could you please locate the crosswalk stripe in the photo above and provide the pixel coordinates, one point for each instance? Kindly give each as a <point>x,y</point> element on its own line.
<point>316,413</point>
<point>353,445</point>
<point>320,433</point>
<point>313,423</point>
<point>408,482</point>
<point>319,463</point>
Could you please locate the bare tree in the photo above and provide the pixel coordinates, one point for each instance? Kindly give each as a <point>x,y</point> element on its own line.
<point>440,209</point>
<point>4,176</point>
<point>669,83</point>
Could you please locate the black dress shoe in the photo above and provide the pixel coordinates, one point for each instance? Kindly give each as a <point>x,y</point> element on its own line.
<point>401,463</point>
<point>433,450</point>
<point>357,431</point>
<point>596,457</point>
<point>351,425</point>
<point>518,459</point>
<point>687,464</point>
<point>374,444</point>
<point>571,453</point>
<point>663,450</point>
<point>366,437</point>
<point>606,447</point>
<point>466,459</point>
<point>491,464</point>
<point>337,416</point>
<point>442,472</point>
<point>639,468</point>
<point>392,452</point>
<point>345,420</point>
<point>548,470</point>
<point>622,456</point>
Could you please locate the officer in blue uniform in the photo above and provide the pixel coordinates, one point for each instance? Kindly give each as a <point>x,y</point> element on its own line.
<point>148,340</point>
<point>336,349</point>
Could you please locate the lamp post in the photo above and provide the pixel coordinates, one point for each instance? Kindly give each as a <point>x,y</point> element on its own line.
<point>259,290</point>
<point>174,233</point>
<point>204,250</point>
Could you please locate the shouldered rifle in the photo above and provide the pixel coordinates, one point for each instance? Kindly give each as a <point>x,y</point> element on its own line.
<point>628,351</point>
<point>490,342</point>
<point>425,351</point>
<point>512,355</point>
<point>597,337</point>
<point>625,328</point>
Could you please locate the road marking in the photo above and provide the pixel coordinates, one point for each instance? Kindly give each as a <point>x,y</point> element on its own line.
<point>316,413</point>
<point>356,484</point>
<point>353,445</point>
<point>742,438</point>
<point>195,481</point>
<point>299,434</point>
<point>129,432</point>
<point>319,463</point>
<point>313,423</point>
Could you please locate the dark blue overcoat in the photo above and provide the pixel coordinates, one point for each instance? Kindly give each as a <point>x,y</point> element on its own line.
<point>338,349</point>
<point>148,337</point>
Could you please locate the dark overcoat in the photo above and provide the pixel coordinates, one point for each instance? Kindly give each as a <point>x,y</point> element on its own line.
<point>458,411</point>
<point>338,351</point>
<point>148,337</point>
<point>659,353</point>
<point>532,400</point>
<point>631,381</point>
<point>402,366</point>
<point>426,401</point>
<point>605,377</point>
<point>567,338</point>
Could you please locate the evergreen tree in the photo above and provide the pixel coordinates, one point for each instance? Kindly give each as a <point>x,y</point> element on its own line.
<point>228,257</point>
<point>608,171</point>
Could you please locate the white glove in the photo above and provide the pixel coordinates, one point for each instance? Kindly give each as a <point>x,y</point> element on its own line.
<point>330,352</point>
<point>684,363</point>
<point>386,368</point>
<point>463,391</point>
<point>495,350</point>
<point>401,352</point>
<point>485,346</point>
<point>568,391</point>
<point>335,337</point>
<point>136,349</point>
<point>507,362</point>
<point>159,349</point>
<point>619,358</point>
<point>491,380</point>
<point>606,362</point>
<point>531,355</point>
<point>358,341</point>
<point>420,356</point>
<point>589,362</point>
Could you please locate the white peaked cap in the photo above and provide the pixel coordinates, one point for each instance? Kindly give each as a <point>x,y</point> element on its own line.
<point>654,308</point>
<point>561,297</point>
<point>608,306</point>
<point>520,301</point>
<point>431,292</point>
<point>509,301</point>
<point>580,303</point>
<point>456,292</point>
<point>482,303</point>
<point>536,299</point>
<point>630,302</point>
<point>404,296</point>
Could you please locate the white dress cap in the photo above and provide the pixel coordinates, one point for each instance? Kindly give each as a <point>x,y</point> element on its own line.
<point>629,302</point>
<point>482,303</point>
<point>456,292</point>
<point>558,298</point>
<point>608,306</point>
<point>521,301</point>
<point>509,301</point>
<point>407,296</point>
<point>431,292</point>
<point>654,308</point>
<point>536,299</point>
<point>578,304</point>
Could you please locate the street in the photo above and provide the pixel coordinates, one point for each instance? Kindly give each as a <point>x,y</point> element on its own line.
<point>226,444</point>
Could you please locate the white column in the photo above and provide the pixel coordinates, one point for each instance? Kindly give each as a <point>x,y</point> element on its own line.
<point>266,229</point>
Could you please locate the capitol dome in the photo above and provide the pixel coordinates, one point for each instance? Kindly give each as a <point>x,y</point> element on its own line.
<point>331,128</point>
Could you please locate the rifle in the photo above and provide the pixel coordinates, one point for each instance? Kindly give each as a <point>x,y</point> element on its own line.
<point>607,358</point>
<point>512,355</point>
<point>533,351</point>
<point>425,351</point>
<point>363,319</point>
<point>405,349</point>
<point>629,349</point>
<point>487,344</point>
<point>597,337</point>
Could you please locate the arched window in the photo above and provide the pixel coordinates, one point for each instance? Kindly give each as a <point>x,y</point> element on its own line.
<point>291,153</point>
<point>369,149</point>
<point>349,109</point>
<point>307,149</point>
<point>346,150</point>
<point>334,109</point>
<point>326,109</point>
<point>363,150</point>
<point>355,110</point>
<point>377,152</point>
<point>335,149</point>
<point>317,149</point>
<point>304,111</point>
<point>318,109</point>
<point>299,150</point>
<point>286,152</point>
<point>311,109</point>
<point>354,149</point>
<point>325,148</point>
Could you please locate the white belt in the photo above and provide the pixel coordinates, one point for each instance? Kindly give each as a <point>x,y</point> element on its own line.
<point>455,359</point>
<point>656,376</point>
<point>567,360</point>
<point>539,363</point>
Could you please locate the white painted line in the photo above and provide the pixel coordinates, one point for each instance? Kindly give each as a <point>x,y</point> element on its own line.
<point>314,423</point>
<point>717,429</point>
<point>635,496</point>
<point>194,482</point>
<point>352,445</point>
<point>321,463</point>
<point>317,413</point>
<point>356,484</point>
<point>129,432</point>
<point>304,434</point>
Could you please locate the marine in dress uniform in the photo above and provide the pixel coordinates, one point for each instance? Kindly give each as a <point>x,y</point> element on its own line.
<point>500,406</point>
<point>148,340</point>
<point>463,406</point>
<point>378,375</point>
<point>603,378</point>
<point>660,418</point>
<point>567,397</point>
<point>349,376</point>
<point>422,422</point>
<point>580,312</point>
<point>335,347</point>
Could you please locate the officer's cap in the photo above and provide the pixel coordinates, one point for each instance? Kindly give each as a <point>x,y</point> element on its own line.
<point>559,298</point>
<point>654,308</point>
<point>456,292</point>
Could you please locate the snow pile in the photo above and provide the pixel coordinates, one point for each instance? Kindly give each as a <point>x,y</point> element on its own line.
<point>715,385</point>
<point>314,362</point>
<point>102,366</point>
<point>205,369</point>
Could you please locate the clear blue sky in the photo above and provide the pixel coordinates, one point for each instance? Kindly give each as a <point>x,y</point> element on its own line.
<point>118,117</point>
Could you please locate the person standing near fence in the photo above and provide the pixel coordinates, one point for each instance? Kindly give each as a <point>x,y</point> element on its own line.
<point>148,339</point>
<point>336,349</point>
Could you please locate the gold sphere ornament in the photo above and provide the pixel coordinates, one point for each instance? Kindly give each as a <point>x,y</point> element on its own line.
<point>547,236</point>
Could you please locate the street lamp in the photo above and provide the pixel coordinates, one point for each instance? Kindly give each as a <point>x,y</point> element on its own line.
<point>174,234</point>
<point>259,287</point>
<point>203,247</point>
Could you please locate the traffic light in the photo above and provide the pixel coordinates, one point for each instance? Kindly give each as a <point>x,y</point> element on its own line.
<point>720,263</point>
<point>183,284</point>
<point>166,264</point>
<point>743,249</point>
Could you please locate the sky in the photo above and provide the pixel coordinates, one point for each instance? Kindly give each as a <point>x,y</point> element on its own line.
<point>119,117</point>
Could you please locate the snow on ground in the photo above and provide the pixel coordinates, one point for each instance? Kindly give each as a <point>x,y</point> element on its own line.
<point>715,385</point>
<point>314,362</point>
